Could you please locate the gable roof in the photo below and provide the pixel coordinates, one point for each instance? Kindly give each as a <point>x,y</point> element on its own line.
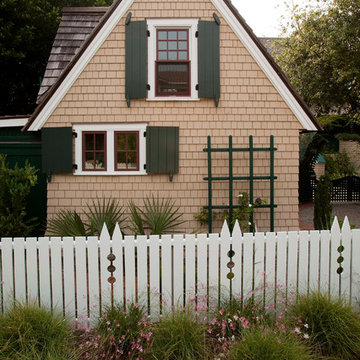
<point>110,19</point>
<point>75,27</point>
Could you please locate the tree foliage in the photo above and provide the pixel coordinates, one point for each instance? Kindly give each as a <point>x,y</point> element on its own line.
<point>27,30</point>
<point>321,55</point>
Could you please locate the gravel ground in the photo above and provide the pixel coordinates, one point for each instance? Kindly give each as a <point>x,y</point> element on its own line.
<point>351,210</point>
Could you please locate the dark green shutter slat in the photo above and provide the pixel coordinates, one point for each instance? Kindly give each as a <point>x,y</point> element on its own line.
<point>136,60</point>
<point>57,150</point>
<point>162,150</point>
<point>209,60</point>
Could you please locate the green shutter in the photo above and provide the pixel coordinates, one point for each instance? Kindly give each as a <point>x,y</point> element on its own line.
<point>57,150</point>
<point>162,150</point>
<point>209,59</point>
<point>136,60</point>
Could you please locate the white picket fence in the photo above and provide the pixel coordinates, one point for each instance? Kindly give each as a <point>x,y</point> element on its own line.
<point>71,274</point>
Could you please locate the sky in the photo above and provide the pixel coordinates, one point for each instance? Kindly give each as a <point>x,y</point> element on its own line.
<point>264,16</point>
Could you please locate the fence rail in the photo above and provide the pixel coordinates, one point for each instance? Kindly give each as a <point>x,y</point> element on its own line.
<point>71,274</point>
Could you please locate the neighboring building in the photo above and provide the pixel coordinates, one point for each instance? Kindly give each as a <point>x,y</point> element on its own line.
<point>175,71</point>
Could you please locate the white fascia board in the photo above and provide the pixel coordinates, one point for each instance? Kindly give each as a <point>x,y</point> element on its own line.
<point>75,72</point>
<point>16,122</point>
<point>264,64</point>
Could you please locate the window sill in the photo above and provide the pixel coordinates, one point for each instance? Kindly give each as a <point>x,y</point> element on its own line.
<point>111,173</point>
<point>172,98</point>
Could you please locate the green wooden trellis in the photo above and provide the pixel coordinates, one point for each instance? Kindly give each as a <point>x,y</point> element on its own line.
<point>231,178</point>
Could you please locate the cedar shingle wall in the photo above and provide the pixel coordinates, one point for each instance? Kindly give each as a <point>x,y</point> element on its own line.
<point>249,105</point>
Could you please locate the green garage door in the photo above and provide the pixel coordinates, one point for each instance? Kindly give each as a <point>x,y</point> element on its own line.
<point>19,147</point>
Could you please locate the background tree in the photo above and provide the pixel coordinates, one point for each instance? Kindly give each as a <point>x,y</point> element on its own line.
<point>321,56</point>
<point>27,30</point>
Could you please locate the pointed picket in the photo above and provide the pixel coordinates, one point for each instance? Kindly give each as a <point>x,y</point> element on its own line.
<point>117,250</point>
<point>214,264</point>
<point>19,269</point>
<point>224,258</point>
<point>130,286</point>
<point>202,257</point>
<point>259,263</point>
<point>292,266</point>
<point>166,272</point>
<point>154,276</point>
<point>81,283</point>
<point>248,285</point>
<point>32,270</point>
<point>325,261</point>
<point>142,268</point>
<point>94,277</point>
<point>178,270</point>
<point>56,274</point>
<point>190,267</point>
<point>237,250</point>
<point>346,264</point>
<point>355,266</point>
<point>104,263</point>
<point>69,279</point>
<point>334,265</point>
<point>7,272</point>
<point>44,272</point>
<point>314,258</point>
<point>303,283</point>
<point>281,264</point>
<point>270,256</point>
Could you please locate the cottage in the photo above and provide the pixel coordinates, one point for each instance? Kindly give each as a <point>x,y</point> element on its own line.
<point>132,91</point>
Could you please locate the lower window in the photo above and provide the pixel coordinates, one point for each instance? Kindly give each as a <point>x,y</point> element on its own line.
<point>110,149</point>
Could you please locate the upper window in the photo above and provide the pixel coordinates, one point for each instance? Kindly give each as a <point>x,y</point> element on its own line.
<point>94,151</point>
<point>172,64</point>
<point>172,59</point>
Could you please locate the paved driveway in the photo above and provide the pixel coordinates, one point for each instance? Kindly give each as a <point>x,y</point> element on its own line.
<point>351,210</point>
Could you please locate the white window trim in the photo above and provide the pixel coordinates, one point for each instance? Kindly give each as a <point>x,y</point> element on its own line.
<point>110,130</point>
<point>191,25</point>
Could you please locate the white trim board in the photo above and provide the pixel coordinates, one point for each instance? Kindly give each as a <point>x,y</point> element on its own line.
<point>16,122</point>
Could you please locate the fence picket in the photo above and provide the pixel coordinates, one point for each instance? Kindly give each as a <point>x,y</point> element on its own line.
<point>303,283</point>
<point>130,286</point>
<point>166,271</point>
<point>105,287</point>
<point>69,280</point>
<point>224,258</point>
<point>44,272</point>
<point>93,274</point>
<point>346,254</point>
<point>270,264</point>
<point>178,270</point>
<point>292,266</point>
<point>202,257</point>
<point>117,250</point>
<point>81,288</point>
<point>237,249</point>
<point>7,272</point>
<point>281,263</point>
<point>259,264</point>
<point>190,266</point>
<point>154,276</point>
<point>214,264</point>
<point>355,267</point>
<point>314,258</point>
<point>19,265</point>
<point>335,243</point>
<point>142,268</point>
<point>248,265</point>
<point>324,281</point>
<point>56,274</point>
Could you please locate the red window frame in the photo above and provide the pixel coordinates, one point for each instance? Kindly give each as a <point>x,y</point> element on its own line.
<point>126,150</point>
<point>94,150</point>
<point>167,61</point>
